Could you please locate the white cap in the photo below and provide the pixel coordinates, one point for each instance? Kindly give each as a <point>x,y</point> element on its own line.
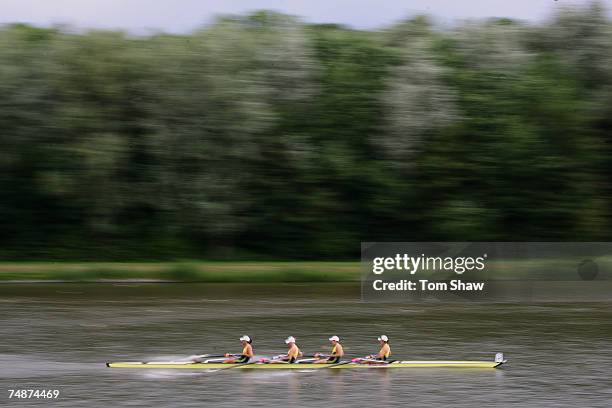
<point>334,338</point>
<point>383,338</point>
<point>290,339</point>
<point>245,338</point>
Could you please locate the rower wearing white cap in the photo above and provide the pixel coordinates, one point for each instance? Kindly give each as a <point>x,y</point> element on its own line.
<point>336,353</point>
<point>245,356</point>
<point>385,349</point>
<point>293,352</point>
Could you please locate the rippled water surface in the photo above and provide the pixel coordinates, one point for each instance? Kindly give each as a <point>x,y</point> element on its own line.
<point>59,337</point>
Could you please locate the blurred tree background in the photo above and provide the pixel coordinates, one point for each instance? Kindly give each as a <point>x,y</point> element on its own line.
<point>264,137</point>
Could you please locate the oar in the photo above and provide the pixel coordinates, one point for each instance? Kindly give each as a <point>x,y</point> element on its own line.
<point>199,358</point>
<point>365,360</point>
<point>209,355</point>
<point>337,364</point>
<point>306,360</point>
<point>261,360</point>
<point>234,365</point>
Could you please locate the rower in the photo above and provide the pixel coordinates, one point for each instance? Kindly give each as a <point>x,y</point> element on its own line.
<point>245,356</point>
<point>336,353</point>
<point>293,352</point>
<point>385,350</point>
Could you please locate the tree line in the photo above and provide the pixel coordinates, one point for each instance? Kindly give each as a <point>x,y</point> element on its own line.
<point>262,136</point>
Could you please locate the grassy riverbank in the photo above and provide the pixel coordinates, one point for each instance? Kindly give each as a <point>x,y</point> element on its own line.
<point>276,271</point>
<point>197,271</point>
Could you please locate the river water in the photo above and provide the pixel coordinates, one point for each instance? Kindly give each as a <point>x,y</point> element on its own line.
<point>59,336</point>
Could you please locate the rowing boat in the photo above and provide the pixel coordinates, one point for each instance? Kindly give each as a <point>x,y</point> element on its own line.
<point>301,366</point>
<point>298,366</point>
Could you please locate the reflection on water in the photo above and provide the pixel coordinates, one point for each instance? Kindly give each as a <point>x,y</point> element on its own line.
<point>59,336</point>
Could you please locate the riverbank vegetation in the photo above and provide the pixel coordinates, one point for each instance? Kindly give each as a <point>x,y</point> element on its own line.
<point>188,271</point>
<point>263,137</point>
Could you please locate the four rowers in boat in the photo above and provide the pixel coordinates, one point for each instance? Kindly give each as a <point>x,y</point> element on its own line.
<point>293,353</point>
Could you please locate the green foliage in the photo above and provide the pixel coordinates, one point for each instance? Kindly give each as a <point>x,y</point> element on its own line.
<point>191,271</point>
<point>260,136</point>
